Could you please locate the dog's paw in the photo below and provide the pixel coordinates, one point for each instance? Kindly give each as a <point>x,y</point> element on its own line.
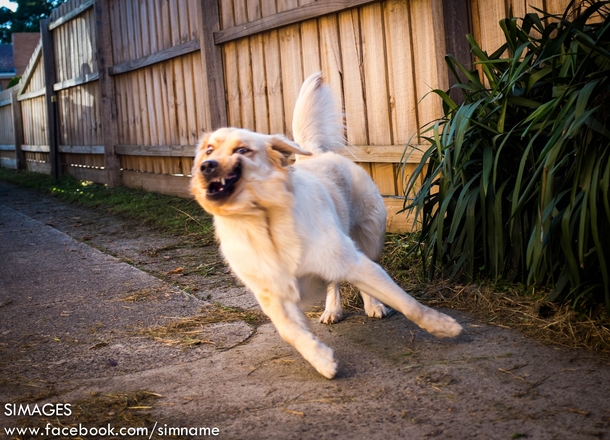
<point>441,325</point>
<point>331,316</point>
<point>376,310</point>
<point>324,361</point>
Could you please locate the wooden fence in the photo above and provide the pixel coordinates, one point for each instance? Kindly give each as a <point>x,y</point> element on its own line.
<point>119,91</point>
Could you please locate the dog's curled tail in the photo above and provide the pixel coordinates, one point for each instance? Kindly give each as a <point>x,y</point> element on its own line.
<point>317,125</point>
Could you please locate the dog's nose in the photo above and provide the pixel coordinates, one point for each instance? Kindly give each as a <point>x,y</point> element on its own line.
<point>209,167</point>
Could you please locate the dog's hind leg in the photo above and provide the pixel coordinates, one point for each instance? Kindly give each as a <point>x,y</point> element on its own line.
<point>333,312</point>
<point>369,236</point>
<point>372,307</point>
<point>370,277</point>
<point>291,324</point>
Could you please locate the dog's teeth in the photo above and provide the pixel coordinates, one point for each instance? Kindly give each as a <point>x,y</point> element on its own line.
<point>222,180</point>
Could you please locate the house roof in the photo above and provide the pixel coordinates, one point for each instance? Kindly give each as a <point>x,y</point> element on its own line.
<point>7,61</point>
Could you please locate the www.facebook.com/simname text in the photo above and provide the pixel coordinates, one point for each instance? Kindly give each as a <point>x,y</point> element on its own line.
<point>80,430</point>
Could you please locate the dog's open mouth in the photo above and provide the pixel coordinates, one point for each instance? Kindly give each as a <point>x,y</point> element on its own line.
<point>222,187</point>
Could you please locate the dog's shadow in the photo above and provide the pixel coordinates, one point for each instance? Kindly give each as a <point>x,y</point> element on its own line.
<point>362,344</point>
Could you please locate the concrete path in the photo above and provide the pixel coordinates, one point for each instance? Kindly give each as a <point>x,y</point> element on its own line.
<point>69,334</point>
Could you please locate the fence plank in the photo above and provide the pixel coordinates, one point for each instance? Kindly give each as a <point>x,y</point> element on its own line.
<point>164,40</point>
<point>90,77</point>
<point>310,39</point>
<point>231,65</point>
<point>34,94</point>
<point>30,69</point>
<point>71,15</point>
<point>426,53</point>
<point>378,115</point>
<point>89,174</point>
<point>397,222</point>
<point>145,92</point>
<point>156,57</point>
<point>155,71</point>
<point>161,183</point>
<point>177,23</point>
<point>286,16</point>
<point>400,71</point>
<point>244,64</point>
<point>81,149</point>
<point>157,135</point>
<point>156,150</point>
<point>36,148</point>
<point>353,78</point>
<point>273,72</point>
<point>259,84</point>
<point>291,63</point>
<point>486,14</point>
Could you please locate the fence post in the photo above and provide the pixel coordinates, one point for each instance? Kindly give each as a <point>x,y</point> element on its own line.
<point>211,58</point>
<point>17,128</point>
<point>110,133</point>
<point>48,55</point>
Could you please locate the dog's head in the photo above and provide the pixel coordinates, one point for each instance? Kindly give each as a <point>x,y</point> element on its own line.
<point>230,162</point>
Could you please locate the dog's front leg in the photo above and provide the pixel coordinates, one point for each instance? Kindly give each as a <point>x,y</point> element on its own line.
<point>291,324</point>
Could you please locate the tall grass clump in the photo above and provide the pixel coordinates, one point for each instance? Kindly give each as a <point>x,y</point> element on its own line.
<point>516,178</point>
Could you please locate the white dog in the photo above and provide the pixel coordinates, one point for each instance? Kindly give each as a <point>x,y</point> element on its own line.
<point>294,232</point>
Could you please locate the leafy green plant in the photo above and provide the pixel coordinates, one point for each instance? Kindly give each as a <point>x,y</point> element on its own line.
<point>516,178</point>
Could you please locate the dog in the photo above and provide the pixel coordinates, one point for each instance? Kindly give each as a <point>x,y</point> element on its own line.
<point>294,232</point>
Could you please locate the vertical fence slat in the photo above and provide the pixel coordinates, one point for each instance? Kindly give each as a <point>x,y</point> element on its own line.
<point>259,85</point>
<point>400,71</point>
<point>273,74</point>
<point>353,76</point>
<point>244,63</point>
<point>374,56</point>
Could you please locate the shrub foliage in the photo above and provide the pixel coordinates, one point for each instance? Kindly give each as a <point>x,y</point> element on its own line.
<point>515,181</point>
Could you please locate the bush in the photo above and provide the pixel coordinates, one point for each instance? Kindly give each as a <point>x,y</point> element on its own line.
<point>13,82</point>
<point>517,177</point>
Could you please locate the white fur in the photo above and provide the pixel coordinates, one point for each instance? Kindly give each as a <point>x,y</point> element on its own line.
<point>290,233</point>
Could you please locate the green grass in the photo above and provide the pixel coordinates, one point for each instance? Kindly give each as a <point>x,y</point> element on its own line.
<point>175,215</point>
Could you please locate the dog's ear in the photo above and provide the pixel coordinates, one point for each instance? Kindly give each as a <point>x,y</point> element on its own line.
<point>285,146</point>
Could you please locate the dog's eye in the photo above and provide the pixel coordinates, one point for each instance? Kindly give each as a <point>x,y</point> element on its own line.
<point>241,150</point>
<point>209,150</point>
